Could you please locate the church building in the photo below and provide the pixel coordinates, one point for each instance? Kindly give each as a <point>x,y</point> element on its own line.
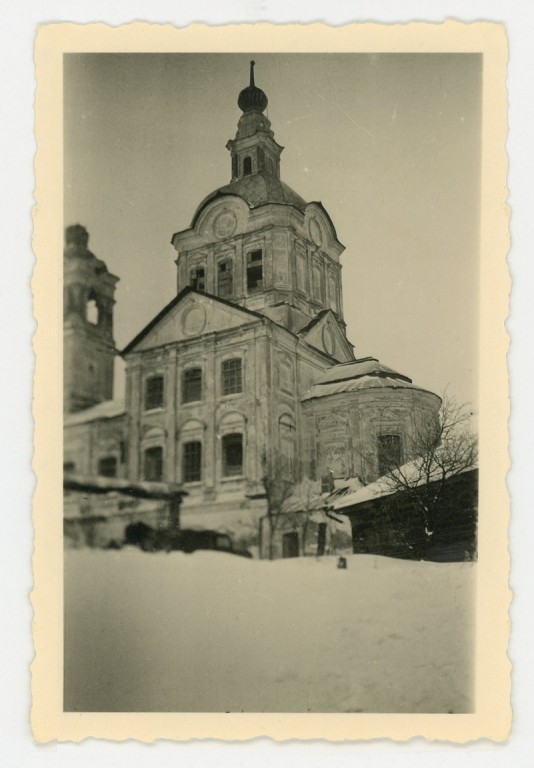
<point>248,370</point>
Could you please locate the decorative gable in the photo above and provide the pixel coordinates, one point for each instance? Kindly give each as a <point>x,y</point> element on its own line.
<point>326,334</point>
<point>189,316</point>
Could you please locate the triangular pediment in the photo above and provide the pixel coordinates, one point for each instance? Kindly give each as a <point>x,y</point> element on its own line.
<point>326,334</point>
<point>190,315</point>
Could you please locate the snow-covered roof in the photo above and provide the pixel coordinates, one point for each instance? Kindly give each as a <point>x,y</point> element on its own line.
<point>386,485</point>
<point>366,373</point>
<point>353,385</point>
<point>137,488</point>
<point>109,409</point>
<point>365,366</point>
<point>301,501</point>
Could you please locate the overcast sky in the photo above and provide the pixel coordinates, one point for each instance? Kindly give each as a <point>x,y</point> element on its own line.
<point>389,143</point>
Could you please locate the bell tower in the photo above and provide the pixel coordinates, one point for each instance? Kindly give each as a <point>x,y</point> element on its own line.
<point>255,241</point>
<point>88,345</point>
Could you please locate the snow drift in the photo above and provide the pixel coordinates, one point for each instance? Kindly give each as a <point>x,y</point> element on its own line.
<point>213,632</point>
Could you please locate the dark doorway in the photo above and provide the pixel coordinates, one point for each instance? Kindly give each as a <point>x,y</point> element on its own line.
<point>290,544</point>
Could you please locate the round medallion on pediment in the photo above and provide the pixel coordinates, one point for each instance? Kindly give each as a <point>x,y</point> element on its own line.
<point>194,320</point>
<point>316,233</point>
<point>225,224</point>
<point>329,340</point>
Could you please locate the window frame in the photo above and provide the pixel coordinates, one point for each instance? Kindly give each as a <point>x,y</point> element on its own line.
<point>109,458</point>
<point>225,466</point>
<point>229,293</point>
<point>151,450</point>
<point>197,468</point>
<point>257,263</point>
<point>226,373</point>
<point>193,277</point>
<point>187,372</point>
<point>149,406</point>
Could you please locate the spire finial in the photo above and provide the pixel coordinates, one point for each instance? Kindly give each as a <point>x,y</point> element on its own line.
<point>252,98</point>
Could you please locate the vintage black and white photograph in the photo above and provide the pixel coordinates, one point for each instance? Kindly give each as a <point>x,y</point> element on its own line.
<point>271,383</point>
<point>270,371</point>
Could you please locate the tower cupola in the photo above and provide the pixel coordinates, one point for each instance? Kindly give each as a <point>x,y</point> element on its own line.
<point>254,149</point>
<point>252,97</point>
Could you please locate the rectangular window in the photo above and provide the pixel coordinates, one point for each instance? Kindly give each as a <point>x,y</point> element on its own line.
<point>389,453</point>
<point>232,458</point>
<point>198,279</point>
<point>225,279</point>
<point>107,467</point>
<point>153,464</point>
<point>192,459</point>
<point>232,376</point>
<point>154,393</point>
<point>192,385</point>
<point>254,271</point>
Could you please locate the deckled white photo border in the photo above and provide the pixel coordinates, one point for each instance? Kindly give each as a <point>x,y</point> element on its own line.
<point>493,714</point>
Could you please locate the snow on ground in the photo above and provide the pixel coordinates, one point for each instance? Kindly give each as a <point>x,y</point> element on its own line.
<point>215,632</point>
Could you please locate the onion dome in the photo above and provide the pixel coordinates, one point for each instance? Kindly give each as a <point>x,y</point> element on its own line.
<point>252,98</point>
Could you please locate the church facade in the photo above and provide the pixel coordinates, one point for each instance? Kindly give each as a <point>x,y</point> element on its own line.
<point>248,370</point>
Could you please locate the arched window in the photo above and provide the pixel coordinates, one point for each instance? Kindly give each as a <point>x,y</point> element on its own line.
<point>153,464</point>
<point>107,466</point>
<point>91,309</point>
<point>232,455</point>
<point>192,385</point>
<point>192,462</point>
<point>232,376</point>
<point>225,278</point>
<point>154,393</point>
<point>247,166</point>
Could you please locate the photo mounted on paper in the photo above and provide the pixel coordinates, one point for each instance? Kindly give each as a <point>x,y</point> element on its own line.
<point>281,275</point>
